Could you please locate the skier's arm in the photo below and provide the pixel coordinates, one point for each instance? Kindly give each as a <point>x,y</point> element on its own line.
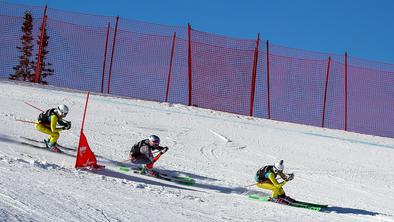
<point>272,178</point>
<point>286,177</point>
<point>162,149</point>
<point>282,175</point>
<point>65,124</point>
<point>54,120</point>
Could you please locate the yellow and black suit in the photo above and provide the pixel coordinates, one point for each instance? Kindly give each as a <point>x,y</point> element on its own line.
<point>266,179</point>
<point>47,122</point>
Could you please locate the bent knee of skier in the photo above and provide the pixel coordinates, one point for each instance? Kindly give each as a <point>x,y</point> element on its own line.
<point>268,186</point>
<point>276,191</point>
<point>53,136</point>
<point>42,128</point>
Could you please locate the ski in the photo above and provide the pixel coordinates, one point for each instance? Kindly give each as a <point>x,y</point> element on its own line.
<point>38,141</point>
<point>178,179</point>
<point>44,148</point>
<point>299,204</point>
<point>40,147</point>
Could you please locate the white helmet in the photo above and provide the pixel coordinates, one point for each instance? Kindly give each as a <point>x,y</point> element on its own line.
<point>279,166</point>
<point>62,110</point>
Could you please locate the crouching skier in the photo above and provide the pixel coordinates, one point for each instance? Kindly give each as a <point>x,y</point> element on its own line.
<point>141,153</point>
<point>47,122</point>
<point>266,179</point>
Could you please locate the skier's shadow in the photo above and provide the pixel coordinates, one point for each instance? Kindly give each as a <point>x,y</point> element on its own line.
<point>111,173</point>
<point>221,189</point>
<point>346,210</point>
<point>192,175</point>
<point>8,139</point>
<point>104,160</point>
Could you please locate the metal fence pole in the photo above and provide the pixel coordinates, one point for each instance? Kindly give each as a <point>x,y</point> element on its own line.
<point>346,92</point>
<point>254,71</point>
<point>169,69</point>
<point>105,59</point>
<point>189,59</point>
<point>325,92</point>
<point>112,54</point>
<point>268,83</point>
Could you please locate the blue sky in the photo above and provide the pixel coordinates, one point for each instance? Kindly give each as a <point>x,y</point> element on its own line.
<point>365,29</point>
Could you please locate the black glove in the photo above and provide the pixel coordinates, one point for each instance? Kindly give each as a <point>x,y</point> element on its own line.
<point>69,125</point>
<point>65,124</point>
<point>165,149</point>
<point>290,176</point>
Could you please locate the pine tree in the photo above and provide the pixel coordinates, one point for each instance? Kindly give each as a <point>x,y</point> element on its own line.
<point>24,70</point>
<point>45,68</point>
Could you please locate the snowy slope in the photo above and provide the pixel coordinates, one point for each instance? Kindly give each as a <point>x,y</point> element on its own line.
<point>353,173</point>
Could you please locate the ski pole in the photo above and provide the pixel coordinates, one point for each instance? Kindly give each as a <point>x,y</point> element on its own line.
<point>250,185</point>
<point>34,106</point>
<point>26,121</point>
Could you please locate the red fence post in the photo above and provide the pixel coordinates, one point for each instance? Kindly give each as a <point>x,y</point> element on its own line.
<point>189,62</point>
<point>169,69</point>
<point>268,83</point>
<point>38,64</point>
<point>346,92</point>
<point>105,58</point>
<point>112,54</point>
<point>325,92</point>
<point>254,71</point>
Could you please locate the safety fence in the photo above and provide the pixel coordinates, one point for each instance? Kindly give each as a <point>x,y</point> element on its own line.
<point>174,64</point>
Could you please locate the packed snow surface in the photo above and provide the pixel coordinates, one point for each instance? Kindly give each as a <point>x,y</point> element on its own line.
<point>352,173</point>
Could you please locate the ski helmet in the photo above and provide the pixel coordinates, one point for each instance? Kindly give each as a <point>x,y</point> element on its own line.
<point>154,139</point>
<point>279,166</point>
<point>62,110</point>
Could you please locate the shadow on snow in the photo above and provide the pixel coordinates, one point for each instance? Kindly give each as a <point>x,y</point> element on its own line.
<point>346,210</point>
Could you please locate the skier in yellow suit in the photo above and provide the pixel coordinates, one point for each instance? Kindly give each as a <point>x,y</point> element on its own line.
<point>266,179</point>
<point>48,122</point>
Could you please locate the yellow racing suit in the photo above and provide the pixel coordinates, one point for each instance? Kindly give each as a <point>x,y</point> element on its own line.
<point>266,179</point>
<point>50,129</point>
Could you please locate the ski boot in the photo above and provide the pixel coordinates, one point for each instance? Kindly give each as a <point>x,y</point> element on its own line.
<point>55,149</point>
<point>46,141</point>
<point>52,147</point>
<point>147,171</point>
<point>278,200</point>
<point>289,199</point>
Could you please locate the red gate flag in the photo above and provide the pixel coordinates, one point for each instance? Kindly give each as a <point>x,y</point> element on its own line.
<point>85,156</point>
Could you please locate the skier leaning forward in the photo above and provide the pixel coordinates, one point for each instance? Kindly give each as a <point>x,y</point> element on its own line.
<point>266,179</point>
<point>47,122</point>
<point>141,152</point>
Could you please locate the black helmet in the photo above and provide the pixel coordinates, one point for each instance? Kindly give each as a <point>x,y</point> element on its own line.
<point>154,139</point>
